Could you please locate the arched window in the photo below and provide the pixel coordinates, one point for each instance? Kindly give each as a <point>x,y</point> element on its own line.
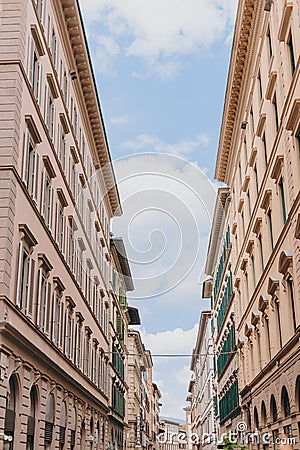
<point>91,431</point>
<point>297,396</point>
<point>263,415</point>
<point>49,423</point>
<point>31,419</point>
<point>10,413</point>
<point>82,436</point>
<point>62,425</point>
<point>273,407</point>
<point>256,420</point>
<point>97,433</point>
<point>285,402</point>
<point>73,428</point>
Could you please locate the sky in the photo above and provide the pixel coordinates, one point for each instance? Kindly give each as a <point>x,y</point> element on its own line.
<point>161,70</point>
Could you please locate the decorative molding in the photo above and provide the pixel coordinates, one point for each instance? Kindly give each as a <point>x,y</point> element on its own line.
<point>246,183</point>
<point>273,285</point>
<point>261,124</point>
<point>266,201</point>
<point>255,317</point>
<point>277,168</point>
<point>263,303</point>
<point>250,247</point>
<point>45,263</point>
<point>240,205</point>
<point>244,264</point>
<point>33,130</point>
<point>62,197</point>
<point>271,85</point>
<point>52,86</point>
<point>285,262</point>
<point>293,121</point>
<point>248,329</point>
<point>64,123</point>
<point>257,226</point>
<point>285,20</point>
<point>253,157</point>
<point>37,40</point>
<point>234,227</point>
<point>27,235</point>
<point>59,284</point>
<point>49,167</point>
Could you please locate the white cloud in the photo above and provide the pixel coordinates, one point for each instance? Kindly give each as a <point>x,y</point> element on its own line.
<point>120,120</point>
<point>159,31</point>
<point>106,49</point>
<point>182,148</point>
<point>172,375</point>
<point>167,213</point>
<point>176,341</point>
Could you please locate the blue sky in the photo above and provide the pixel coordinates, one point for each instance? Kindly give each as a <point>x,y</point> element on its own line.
<point>161,69</point>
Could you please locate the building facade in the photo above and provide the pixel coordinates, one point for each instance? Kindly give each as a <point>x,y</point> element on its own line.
<point>259,160</point>
<point>220,289</point>
<point>169,434</point>
<point>201,385</point>
<point>59,384</point>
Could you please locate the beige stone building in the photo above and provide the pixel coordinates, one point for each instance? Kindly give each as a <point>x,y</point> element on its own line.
<point>143,396</point>
<point>201,387</point>
<point>169,436</point>
<point>62,282</point>
<point>259,160</point>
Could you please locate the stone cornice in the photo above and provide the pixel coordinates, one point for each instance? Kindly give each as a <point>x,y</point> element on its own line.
<point>236,79</point>
<point>69,11</point>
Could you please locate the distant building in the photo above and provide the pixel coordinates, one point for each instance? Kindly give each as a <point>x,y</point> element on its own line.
<point>143,396</point>
<point>169,434</point>
<point>201,386</point>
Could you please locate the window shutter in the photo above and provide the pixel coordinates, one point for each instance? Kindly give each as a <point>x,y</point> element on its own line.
<point>61,324</point>
<point>42,12</point>
<point>63,234</point>
<point>29,290</point>
<point>50,207</point>
<point>43,201</point>
<point>66,343</point>
<point>54,317</point>
<point>30,62</point>
<point>47,307</point>
<point>20,275</point>
<point>39,84</point>
<point>26,156</point>
<point>47,106</point>
<point>71,337</point>
<point>39,299</point>
<point>35,178</point>
<point>57,223</point>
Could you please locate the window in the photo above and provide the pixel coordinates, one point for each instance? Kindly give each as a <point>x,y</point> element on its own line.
<point>34,70</point>
<point>282,197</point>
<point>252,120</point>
<point>256,178</point>
<point>50,112</point>
<point>61,153</point>
<point>62,425</point>
<point>291,52</point>
<point>269,39</point>
<point>57,317</point>
<point>261,252</point>
<point>253,271</point>
<point>10,411</point>
<point>47,198</point>
<point>69,328</point>
<point>73,429</point>
<point>31,419</point>
<point>60,221</point>
<point>54,48</point>
<point>275,108</point>
<point>40,7</point>
<point>78,341</point>
<point>26,271</point>
<point>265,148</point>
<point>269,220</point>
<point>259,85</point>
<point>65,88</point>
<point>290,290</point>
<point>30,165</point>
<point>87,352</point>
<point>43,294</point>
<point>71,244</point>
<point>285,402</point>
<point>49,422</point>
